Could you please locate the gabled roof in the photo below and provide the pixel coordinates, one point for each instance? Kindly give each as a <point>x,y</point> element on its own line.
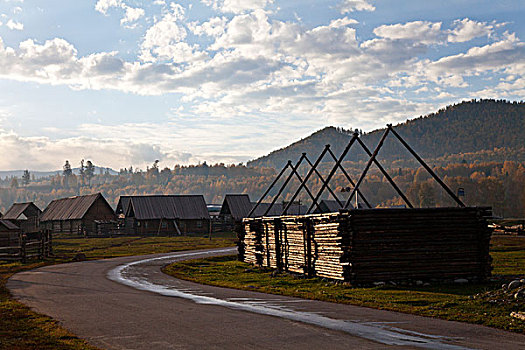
<point>72,208</point>
<point>170,207</point>
<point>123,205</point>
<point>237,205</point>
<point>328,206</point>
<point>8,225</point>
<point>17,209</point>
<point>277,209</point>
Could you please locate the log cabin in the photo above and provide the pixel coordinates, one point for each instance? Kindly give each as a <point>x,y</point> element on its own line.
<point>9,233</point>
<point>81,215</point>
<point>24,215</point>
<point>236,207</point>
<point>164,214</point>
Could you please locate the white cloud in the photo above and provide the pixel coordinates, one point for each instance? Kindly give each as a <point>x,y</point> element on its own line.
<point>13,25</point>
<point>489,58</point>
<point>215,27</point>
<point>237,6</point>
<point>419,31</point>
<point>103,6</point>
<point>165,39</point>
<point>342,22</point>
<point>251,66</point>
<point>466,30</point>
<point>47,154</point>
<point>348,6</point>
<point>131,14</point>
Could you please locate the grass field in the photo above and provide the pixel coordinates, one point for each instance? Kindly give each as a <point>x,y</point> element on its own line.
<point>485,303</point>
<point>103,248</point>
<point>21,328</point>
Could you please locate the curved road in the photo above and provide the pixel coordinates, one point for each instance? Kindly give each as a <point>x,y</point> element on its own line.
<point>128,303</point>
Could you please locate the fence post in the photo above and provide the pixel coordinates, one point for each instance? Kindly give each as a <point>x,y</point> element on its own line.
<point>41,248</point>
<point>50,243</point>
<point>23,249</point>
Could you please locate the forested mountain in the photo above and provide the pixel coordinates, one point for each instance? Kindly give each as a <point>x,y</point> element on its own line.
<point>477,146</point>
<point>477,130</point>
<point>496,184</point>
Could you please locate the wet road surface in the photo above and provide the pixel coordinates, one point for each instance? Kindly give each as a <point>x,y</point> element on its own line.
<point>128,303</point>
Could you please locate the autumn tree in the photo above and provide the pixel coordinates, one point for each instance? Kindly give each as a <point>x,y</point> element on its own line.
<point>82,171</point>
<point>26,178</point>
<point>67,172</point>
<point>89,171</point>
<point>14,183</point>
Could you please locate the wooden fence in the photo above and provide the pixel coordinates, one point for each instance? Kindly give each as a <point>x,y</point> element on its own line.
<point>26,249</point>
<point>373,245</point>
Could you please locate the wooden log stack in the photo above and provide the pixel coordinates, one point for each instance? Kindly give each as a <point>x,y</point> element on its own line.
<point>372,245</point>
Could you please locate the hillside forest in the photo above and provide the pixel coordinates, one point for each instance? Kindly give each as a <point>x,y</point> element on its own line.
<point>477,146</point>
<point>495,184</point>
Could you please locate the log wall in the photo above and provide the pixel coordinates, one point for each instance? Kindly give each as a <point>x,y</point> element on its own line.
<point>371,245</point>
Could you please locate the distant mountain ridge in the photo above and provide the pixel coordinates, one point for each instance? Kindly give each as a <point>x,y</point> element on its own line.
<point>40,174</point>
<point>476,130</point>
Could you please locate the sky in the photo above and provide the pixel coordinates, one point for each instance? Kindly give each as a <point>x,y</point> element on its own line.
<point>127,82</point>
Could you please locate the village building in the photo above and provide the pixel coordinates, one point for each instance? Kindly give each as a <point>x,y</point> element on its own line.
<point>9,233</point>
<point>214,211</point>
<point>24,215</point>
<point>327,206</point>
<point>164,214</point>
<point>236,207</point>
<point>81,215</point>
<point>122,207</point>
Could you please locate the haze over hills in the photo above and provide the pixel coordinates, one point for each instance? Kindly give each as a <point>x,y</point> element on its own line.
<point>40,174</point>
<point>477,130</point>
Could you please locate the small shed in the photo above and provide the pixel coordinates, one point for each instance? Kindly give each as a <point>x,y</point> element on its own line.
<point>166,214</point>
<point>9,233</point>
<point>24,215</point>
<point>237,207</point>
<point>82,215</point>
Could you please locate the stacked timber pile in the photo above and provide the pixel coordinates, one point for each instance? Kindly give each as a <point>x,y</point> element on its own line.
<point>241,236</point>
<point>314,245</point>
<point>506,229</point>
<point>295,255</point>
<point>251,248</point>
<point>331,243</point>
<point>419,244</point>
<point>373,245</point>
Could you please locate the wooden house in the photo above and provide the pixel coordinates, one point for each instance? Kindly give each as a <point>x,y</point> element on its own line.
<point>236,207</point>
<point>164,214</point>
<point>81,215</point>
<point>122,206</point>
<point>24,215</point>
<point>9,233</point>
<point>327,206</point>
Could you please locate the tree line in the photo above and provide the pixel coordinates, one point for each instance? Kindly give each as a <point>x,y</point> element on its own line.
<point>500,185</point>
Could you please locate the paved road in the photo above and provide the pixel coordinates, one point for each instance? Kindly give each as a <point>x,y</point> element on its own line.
<point>127,303</point>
